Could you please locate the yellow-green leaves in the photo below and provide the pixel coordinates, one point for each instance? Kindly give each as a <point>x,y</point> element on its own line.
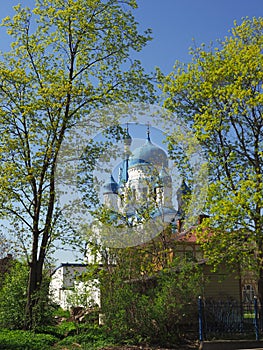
<point>67,58</point>
<point>220,95</point>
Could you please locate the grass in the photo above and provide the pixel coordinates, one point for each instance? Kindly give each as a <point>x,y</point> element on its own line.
<point>67,335</point>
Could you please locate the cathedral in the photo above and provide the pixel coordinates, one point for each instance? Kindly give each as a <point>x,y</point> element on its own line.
<point>146,193</point>
<point>144,186</point>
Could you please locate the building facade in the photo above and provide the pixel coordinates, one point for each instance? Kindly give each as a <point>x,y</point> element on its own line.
<point>68,289</point>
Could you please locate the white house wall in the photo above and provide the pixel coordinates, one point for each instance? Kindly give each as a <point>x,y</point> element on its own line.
<point>67,291</point>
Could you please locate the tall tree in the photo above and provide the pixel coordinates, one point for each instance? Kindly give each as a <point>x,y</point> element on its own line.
<point>67,57</point>
<point>219,94</point>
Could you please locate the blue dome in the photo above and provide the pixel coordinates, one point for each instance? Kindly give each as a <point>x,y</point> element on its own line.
<point>149,154</point>
<point>111,186</point>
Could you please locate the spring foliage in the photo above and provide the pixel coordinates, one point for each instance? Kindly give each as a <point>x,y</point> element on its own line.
<point>66,59</point>
<point>219,94</point>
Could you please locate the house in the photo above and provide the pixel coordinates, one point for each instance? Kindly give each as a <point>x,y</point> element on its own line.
<point>68,289</point>
<point>218,285</point>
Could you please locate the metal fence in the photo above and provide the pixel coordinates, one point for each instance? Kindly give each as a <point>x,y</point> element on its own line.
<point>228,319</point>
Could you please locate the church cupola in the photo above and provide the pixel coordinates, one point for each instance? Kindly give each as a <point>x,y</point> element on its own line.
<point>149,154</point>
<point>110,186</point>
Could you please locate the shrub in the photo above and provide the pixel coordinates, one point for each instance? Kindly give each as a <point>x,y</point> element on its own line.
<point>154,310</point>
<point>25,340</point>
<point>89,337</point>
<point>13,298</point>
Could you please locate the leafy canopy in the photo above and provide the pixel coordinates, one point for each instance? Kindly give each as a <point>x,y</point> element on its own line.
<point>66,59</point>
<point>219,94</point>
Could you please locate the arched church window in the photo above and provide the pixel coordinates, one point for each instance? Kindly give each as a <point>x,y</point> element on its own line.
<point>155,194</point>
<point>121,198</point>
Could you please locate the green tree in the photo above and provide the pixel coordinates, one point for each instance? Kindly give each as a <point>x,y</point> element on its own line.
<point>219,94</point>
<point>66,59</point>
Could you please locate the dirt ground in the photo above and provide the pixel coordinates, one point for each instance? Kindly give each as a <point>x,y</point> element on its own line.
<point>192,346</point>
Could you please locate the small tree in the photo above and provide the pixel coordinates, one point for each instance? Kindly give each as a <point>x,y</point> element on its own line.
<point>13,297</point>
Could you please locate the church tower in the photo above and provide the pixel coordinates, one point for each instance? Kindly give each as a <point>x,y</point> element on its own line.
<point>110,194</point>
<point>144,182</point>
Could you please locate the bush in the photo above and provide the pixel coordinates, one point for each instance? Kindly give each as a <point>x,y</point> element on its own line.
<point>13,299</point>
<point>86,336</point>
<point>25,340</point>
<point>175,302</point>
<point>156,310</point>
<point>89,337</point>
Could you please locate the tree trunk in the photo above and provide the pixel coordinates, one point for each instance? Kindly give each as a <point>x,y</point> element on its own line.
<point>33,289</point>
<point>34,282</point>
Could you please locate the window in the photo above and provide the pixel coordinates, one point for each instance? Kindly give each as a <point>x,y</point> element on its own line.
<point>248,293</point>
<point>155,194</point>
<point>189,253</point>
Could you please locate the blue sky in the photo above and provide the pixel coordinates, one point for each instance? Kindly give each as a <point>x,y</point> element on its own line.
<point>175,23</point>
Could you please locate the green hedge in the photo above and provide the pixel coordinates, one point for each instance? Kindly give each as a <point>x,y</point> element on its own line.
<point>25,340</point>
